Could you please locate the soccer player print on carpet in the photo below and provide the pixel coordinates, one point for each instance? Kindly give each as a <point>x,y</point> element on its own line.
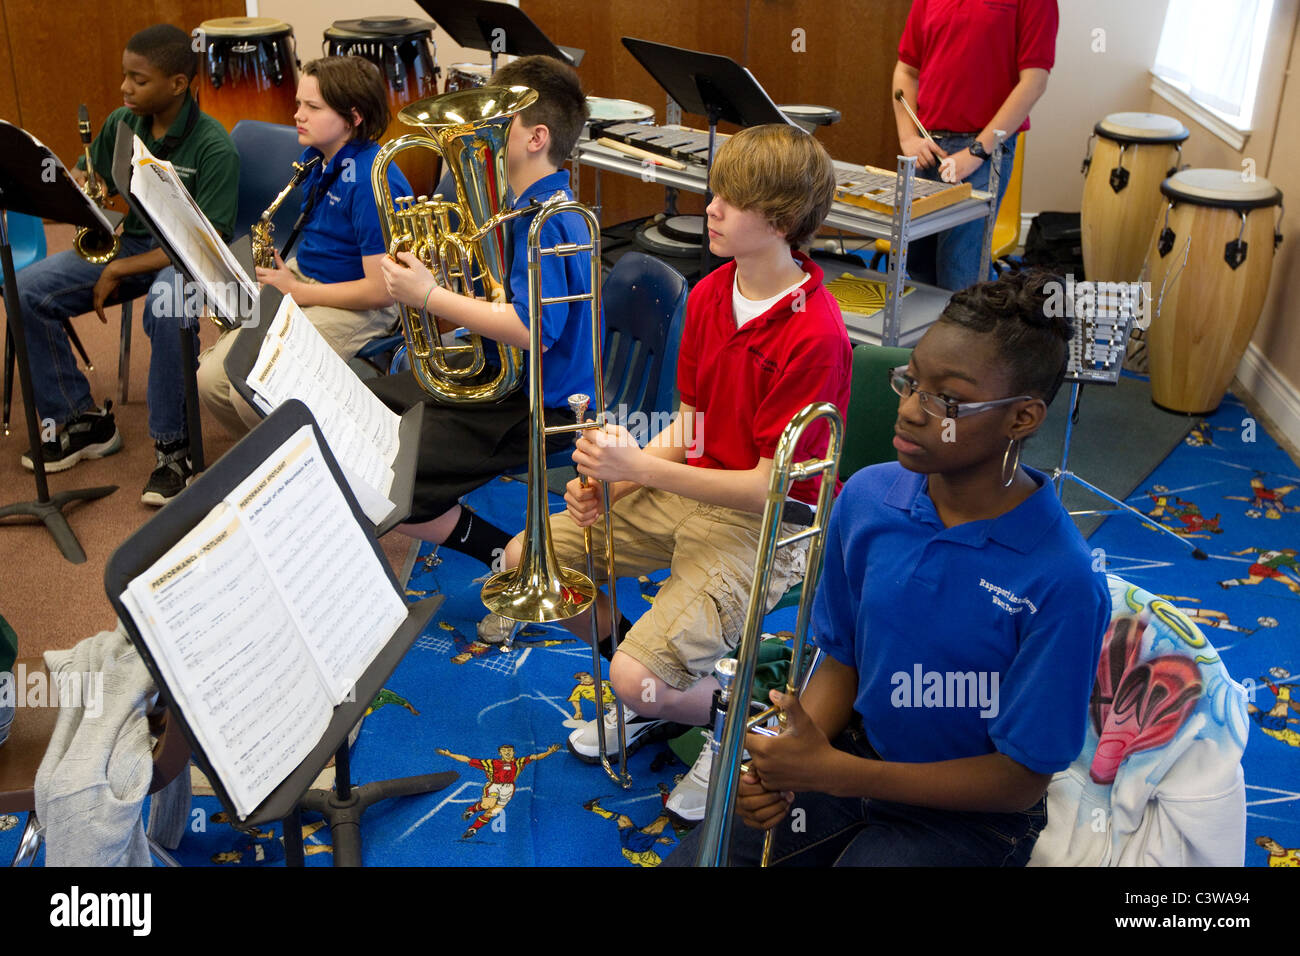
<point>642,846</point>
<point>1188,514</point>
<point>501,772</point>
<point>258,846</point>
<point>1277,721</point>
<point>1264,501</point>
<point>1208,617</point>
<point>1278,855</point>
<point>585,689</point>
<point>1278,565</point>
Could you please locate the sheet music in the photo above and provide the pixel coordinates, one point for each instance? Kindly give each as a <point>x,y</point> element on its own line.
<point>295,362</point>
<point>190,235</point>
<point>229,649</point>
<point>329,575</point>
<point>52,161</point>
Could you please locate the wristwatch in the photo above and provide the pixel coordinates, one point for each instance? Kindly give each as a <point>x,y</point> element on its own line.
<point>978,151</point>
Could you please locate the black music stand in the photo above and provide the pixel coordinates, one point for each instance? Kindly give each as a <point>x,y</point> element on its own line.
<point>497,28</point>
<point>239,363</point>
<point>713,86</point>
<point>27,186</point>
<point>343,806</point>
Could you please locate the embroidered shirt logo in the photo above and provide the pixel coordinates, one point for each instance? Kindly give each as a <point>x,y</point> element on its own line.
<point>1008,601</point>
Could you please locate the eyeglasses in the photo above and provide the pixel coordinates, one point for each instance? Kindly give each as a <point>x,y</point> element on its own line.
<point>937,405</point>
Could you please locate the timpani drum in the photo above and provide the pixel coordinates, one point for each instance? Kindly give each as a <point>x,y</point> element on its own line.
<point>249,70</point>
<point>466,76</point>
<point>1210,259</point>
<point>1121,191</point>
<point>403,50</point>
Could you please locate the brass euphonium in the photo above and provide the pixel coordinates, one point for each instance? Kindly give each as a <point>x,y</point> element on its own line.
<point>93,244</point>
<point>260,233</point>
<point>469,129</point>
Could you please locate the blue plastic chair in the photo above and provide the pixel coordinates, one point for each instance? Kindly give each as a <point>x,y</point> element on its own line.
<point>267,152</point>
<point>27,238</point>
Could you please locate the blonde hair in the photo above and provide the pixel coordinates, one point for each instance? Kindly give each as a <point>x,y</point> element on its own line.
<point>780,171</point>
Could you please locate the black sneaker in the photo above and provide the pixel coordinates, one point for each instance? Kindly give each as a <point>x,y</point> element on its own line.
<point>92,434</point>
<point>173,473</point>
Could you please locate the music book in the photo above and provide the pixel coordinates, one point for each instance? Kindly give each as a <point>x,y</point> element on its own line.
<point>263,617</point>
<point>295,361</point>
<point>187,234</point>
<point>41,169</point>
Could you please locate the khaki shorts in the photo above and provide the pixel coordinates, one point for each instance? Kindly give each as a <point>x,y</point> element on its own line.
<point>698,615</point>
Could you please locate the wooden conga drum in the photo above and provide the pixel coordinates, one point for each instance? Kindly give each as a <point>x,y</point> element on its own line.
<point>403,50</point>
<point>249,70</point>
<point>1210,259</point>
<point>1132,154</point>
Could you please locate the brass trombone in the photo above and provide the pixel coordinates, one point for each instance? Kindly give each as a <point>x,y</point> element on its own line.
<point>539,589</point>
<point>738,676</point>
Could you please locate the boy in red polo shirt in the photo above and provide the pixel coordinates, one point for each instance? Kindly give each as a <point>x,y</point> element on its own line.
<point>763,338</point>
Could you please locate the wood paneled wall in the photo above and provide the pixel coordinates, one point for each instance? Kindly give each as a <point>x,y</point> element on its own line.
<point>839,54</point>
<point>56,56</point>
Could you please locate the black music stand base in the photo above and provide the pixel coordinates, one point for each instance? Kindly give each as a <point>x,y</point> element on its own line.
<point>51,512</point>
<point>344,806</point>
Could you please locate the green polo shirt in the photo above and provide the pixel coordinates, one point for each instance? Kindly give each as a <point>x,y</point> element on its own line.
<point>205,160</point>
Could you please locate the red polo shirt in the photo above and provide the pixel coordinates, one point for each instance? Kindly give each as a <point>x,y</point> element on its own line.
<point>970,54</point>
<point>747,383</point>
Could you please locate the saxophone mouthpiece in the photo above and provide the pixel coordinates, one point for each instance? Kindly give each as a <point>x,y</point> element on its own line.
<point>83,123</point>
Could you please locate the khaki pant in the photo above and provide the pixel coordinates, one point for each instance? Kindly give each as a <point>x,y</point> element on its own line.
<point>699,613</point>
<point>346,332</point>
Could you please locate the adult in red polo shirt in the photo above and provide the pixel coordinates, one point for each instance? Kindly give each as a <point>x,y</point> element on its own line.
<point>969,67</point>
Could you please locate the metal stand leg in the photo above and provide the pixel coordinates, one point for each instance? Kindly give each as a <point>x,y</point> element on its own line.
<point>76,344</point>
<point>898,239</point>
<point>990,221</point>
<point>124,355</point>
<point>30,842</point>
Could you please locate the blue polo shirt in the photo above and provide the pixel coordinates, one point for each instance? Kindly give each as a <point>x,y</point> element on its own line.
<point>344,226</point>
<point>967,640</point>
<point>567,365</point>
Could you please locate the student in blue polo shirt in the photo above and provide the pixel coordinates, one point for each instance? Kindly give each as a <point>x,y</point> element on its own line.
<point>960,618</point>
<point>463,446</point>
<point>335,276</point>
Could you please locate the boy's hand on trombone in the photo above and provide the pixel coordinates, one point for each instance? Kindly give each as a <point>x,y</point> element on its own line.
<point>608,455</point>
<point>797,759</point>
<point>585,502</point>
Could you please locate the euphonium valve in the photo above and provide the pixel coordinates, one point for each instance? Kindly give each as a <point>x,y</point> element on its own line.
<point>93,245</point>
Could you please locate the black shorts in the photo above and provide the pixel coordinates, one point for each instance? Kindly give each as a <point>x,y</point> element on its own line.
<point>464,446</point>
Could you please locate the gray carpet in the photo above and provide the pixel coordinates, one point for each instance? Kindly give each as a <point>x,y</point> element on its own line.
<point>1118,441</point>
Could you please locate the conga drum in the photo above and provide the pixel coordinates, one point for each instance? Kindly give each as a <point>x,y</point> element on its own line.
<point>1121,191</point>
<point>249,70</point>
<point>466,76</point>
<point>403,50</point>
<point>1210,258</point>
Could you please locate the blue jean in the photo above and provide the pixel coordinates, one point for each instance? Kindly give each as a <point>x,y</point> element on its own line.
<point>54,289</point>
<point>165,313</point>
<point>951,259</point>
<point>852,831</point>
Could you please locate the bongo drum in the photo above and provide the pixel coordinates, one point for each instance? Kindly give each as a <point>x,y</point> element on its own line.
<point>249,70</point>
<point>403,50</point>
<point>1210,259</point>
<point>1121,197</point>
<point>466,76</point>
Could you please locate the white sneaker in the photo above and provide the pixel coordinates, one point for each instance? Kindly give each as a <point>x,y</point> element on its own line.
<point>689,796</point>
<point>584,743</point>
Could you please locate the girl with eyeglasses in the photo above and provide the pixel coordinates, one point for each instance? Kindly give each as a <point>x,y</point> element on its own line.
<point>959,616</point>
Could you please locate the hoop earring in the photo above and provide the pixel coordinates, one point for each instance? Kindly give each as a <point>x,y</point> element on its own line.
<point>1015,466</point>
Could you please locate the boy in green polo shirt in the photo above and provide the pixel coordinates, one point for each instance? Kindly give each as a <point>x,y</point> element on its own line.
<point>157,67</point>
